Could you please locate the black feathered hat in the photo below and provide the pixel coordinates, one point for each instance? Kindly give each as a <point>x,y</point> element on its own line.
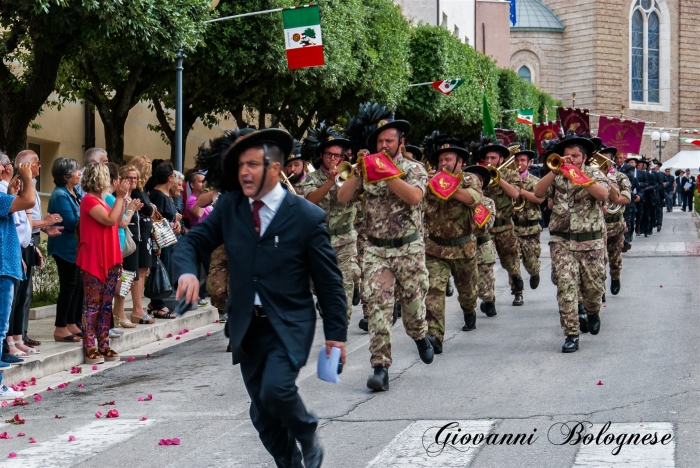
<point>487,144</point>
<point>522,150</point>
<point>364,123</point>
<point>210,159</point>
<point>483,172</point>
<point>435,144</point>
<point>385,124</point>
<point>295,153</point>
<point>611,150</point>
<point>574,139</point>
<point>320,138</point>
<point>415,152</point>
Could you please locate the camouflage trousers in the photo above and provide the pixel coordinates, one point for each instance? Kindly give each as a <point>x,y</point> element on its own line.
<point>574,271</point>
<point>530,250</point>
<point>386,279</point>
<point>361,244</point>
<point>347,261</point>
<point>509,253</point>
<point>486,281</point>
<point>439,271</point>
<point>615,244</point>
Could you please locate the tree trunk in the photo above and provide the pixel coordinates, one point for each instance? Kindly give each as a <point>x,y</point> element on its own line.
<point>114,134</point>
<point>188,121</point>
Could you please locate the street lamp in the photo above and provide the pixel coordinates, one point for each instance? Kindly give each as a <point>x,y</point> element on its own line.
<point>660,140</point>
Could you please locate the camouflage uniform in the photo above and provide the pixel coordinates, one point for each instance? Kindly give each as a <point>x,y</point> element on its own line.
<point>502,231</point>
<point>528,229</point>
<point>486,255</point>
<point>447,220</point>
<point>577,264</point>
<point>616,225</point>
<point>361,243</point>
<point>340,219</point>
<point>394,273</point>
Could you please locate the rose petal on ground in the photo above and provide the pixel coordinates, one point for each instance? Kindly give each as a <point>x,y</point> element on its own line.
<point>140,398</point>
<point>21,434</point>
<point>176,441</point>
<point>600,382</point>
<point>37,398</point>
<point>48,389</point>
<point>80,385</point>
<point>71,438</point>
<point>208,333</point>
<point>169,335</point>
<point>143,419</point>
<point>3,404</point>
<point>112,413</point>
<point>32,440</point>
<point>177,337</point>
<point>149,397</point>
<point>12,455</point>
<point>98,414</point>
<point>148,356</point>
<point>94,367</point>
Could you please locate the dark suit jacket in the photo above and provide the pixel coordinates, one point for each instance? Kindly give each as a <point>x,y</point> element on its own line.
<point>296,247</point>
<point>642,183</point>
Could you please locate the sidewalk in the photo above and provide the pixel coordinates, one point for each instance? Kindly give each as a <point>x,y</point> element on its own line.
<point>57,357</point>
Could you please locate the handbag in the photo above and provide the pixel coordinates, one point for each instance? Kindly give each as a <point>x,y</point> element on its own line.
<point>129,244</point>
<point>162,234</point>
<point>158,283</point>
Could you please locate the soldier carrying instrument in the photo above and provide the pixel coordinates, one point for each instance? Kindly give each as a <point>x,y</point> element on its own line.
<point>295,167</point>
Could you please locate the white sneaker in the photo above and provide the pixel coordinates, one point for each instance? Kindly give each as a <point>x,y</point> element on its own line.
<point>9,394</point>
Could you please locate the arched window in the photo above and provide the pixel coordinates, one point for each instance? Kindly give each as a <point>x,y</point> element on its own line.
<point>645,56</point>
<point>525,74</point>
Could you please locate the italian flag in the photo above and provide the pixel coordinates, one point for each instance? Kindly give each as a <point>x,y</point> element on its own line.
<point>302,37</point>
<point>525,116</point>
<point>692,141</point>
<point>447,86</point>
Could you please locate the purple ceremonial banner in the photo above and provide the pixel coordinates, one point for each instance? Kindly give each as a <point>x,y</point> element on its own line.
<point>545,131</point>
<point>507,137</point>
<point>574,120</point>
<point>625,135</point>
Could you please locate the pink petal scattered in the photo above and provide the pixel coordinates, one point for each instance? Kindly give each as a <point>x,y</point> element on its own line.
<point>3,404</point>
<point>62,385</point>
<point>148,356</point>
<point>71,438</point>
<point>20,402</point>
<point>176,441</point>
<point>173,441</point>
<point>12,455</point>
<point>21,434</point>
<point>32,440</point>
<point>32,381</point>
<point>600,382</point>
<point>140,398</point>
<point>208,333</point>
<point>94,367</point>
<point>37,398</point>
<point>48,389</point>
<point>112,413</point>
<point>143,419</point>
<point>76,370</point>
<point>149,397</point>
<point>98,414</point>
<point>5,435</point>
<point>59,417</point>
<point>661,285</point>
<point>81,385</point>
<point>177,338</point>
<point>169,335</point>
<point>217,321</point>
<point>129,359</point>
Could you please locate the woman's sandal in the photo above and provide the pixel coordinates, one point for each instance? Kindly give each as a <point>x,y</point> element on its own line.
<point>92,356</point>
<point>145,320</point>
<point>164,314</point>
<point>66,339</point>
<point>124,322</point>
<point>19,353</point>
<point>109,354</point>
<point>29,350</point>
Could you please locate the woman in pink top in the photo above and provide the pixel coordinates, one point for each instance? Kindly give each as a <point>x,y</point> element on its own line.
<point>100,258</point>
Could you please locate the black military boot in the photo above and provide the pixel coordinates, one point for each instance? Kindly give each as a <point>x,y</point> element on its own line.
<point>482,306</point>
<point>594,323</point>
<point>356,296</point>
<point>518,284</point>
<point>379,381</point>
<point>614,287</point>
<point>450,290</point>
<point>534,281</point>
<point>490,309</point>
<point>436,342</point>
<point>425,350</point>
<point>570,345</point>
<point>518,299</point>
<point>469,321</point>
<point>364,324</point>
<point>582,318</point>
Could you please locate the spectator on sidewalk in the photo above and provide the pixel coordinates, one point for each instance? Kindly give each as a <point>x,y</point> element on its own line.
<point>10,252</point>
<point>197,208</point>
<point>65,202</point>
<point>141,166</point>
<point>688,184</point>
<point>669,187</point>
<point>92,155</point>
<point>678,201</point>
<point>176,196</point>
<point>100,259</point>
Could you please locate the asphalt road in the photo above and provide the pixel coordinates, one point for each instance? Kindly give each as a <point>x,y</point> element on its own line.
<point>508,376</point>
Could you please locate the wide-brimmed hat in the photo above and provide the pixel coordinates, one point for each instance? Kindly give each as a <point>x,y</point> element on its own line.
<point>633,157</point>
<point>530,154</point>
<point>415,152</point>
<point>436,144</point>
<point>275,136</point>
<point>610,150</point>
<point>295,153</point>
<point>580,141</point>
<point>483,172</point>
<point>498,148</point>
<point>385,124</point>
<point>448,148</point>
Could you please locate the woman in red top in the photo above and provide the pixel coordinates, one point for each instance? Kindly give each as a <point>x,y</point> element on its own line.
<point>100,258</point>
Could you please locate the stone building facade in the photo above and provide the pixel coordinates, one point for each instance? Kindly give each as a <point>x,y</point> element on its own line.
<point>640,54</point>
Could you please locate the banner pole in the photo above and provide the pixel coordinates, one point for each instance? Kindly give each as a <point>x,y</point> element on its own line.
<point>274,10</point>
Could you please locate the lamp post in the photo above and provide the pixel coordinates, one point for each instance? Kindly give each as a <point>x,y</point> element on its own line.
<point>660,140</point>
<point>178,110</point>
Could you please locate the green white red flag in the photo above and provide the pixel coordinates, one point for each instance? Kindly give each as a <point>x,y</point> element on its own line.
<point>526,116</point>
<point>302,37</point>
<point>692,141</point>
<point>447,86</point>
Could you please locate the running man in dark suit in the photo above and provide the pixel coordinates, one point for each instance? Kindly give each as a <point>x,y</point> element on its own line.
<point>274,242</point>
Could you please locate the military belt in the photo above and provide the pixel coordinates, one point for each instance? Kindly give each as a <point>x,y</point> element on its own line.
<point>614,218</point>
<point>503,222</point>
<point>452,242</point>
<point>531,222</point>
<point>341,230</point>
<point>483,239</point>
<point>394,243</point>
<point>579,237</point>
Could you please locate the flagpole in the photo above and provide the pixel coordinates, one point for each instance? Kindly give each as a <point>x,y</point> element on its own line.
<point>274,10</point>
<point>420,84</point>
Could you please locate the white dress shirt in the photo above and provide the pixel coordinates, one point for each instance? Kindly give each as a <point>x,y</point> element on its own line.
<point>272,201</point>
<point>36,211</point>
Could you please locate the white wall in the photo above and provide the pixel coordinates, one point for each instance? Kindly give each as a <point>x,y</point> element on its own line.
<point>459,13</point>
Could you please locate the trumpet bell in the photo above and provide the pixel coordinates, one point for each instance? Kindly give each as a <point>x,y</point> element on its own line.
<point>554,162</point>
<point>603,163</point>
<point>495,176</point>
<point>345,171</point>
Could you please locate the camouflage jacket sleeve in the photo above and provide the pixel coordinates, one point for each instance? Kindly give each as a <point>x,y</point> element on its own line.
<point>415,174</point>
<point>624,185</point>
<point>308,185</point>
<point>473,187</point>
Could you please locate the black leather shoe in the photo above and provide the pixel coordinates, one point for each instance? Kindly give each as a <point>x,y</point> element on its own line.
<point>534,281</point>
<point>425,350</point>
<point>482,306</point>
<point>356,296</point>
<point>518,300</point>
<point>469,321</point>
<point>570,345</point>
<point>626,247</point>
<point>313,455</point>
<point>364,324</point>
<point>490,309</point>
<point>614,287</point>
<point>437,344</point>
<point>450,290</point>
<point>658,228</point>
<point>594,323</point>
<point>582,318</point>
<point>380,379</point>
<point>518,284</point>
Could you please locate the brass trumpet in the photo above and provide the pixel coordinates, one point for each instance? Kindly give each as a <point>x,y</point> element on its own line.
<point>496,171</point>
<point>345,171</point>
<point>601,162</point>
<point>554,162</point>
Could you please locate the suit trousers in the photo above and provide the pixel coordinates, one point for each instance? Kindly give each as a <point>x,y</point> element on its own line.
<point>276,409</point>
<point>630,219</point>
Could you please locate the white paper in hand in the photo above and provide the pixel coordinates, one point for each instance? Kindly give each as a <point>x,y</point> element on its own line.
<point>328,366</point>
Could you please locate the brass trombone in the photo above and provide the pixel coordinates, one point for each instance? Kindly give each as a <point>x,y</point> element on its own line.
<point>601,162</point>
<point>285,181</point>
<point>495,173</point>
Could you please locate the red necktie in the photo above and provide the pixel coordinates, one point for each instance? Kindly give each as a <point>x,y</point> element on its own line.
<point>257,204</point>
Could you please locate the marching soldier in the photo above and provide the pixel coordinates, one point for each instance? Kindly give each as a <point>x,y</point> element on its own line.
<point>394,259</point>
<point>576,242</point>
<point>651,200</point>
<point>450,248</point>
<point>503,193</point>
<point>295,167</point>
<point>527,219</point>
<point>320,188</point>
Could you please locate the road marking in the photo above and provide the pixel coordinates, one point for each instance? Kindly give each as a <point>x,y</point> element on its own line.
<point>629,456</point>
<point>415,446</point>
<point>90,440</point>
